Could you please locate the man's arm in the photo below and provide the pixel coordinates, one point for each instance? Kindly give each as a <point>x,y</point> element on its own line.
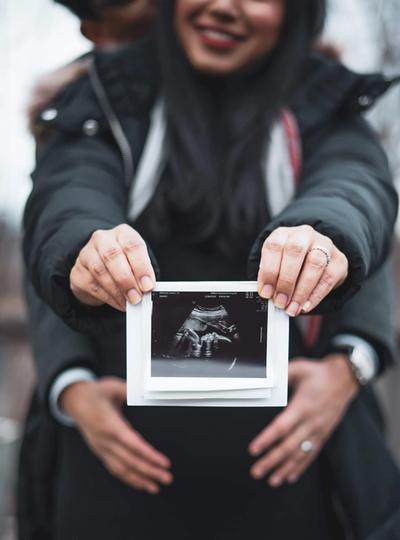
<point>61,356</point>
<point>369,316</point>
<point>345,193</point>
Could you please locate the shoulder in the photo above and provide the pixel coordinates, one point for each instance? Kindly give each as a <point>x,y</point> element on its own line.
<point>120,85</point>
<point>326,89</point>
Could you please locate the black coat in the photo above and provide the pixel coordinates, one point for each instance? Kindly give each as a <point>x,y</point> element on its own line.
<point>345,179</point>
<point>55,232</point>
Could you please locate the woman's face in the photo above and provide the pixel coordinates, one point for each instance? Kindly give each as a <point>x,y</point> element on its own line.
<point>221,37</point>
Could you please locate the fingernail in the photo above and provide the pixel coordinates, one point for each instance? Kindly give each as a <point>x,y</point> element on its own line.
<point>163,462</point>
<point>267,291</point>
<point>254,450</point>
<point>275,481</point>
<point>293,309</point>
<point>134,297</point>
<point>166,463</point>
<point>256,472</point>
<point>307,306</point>
<point>167,479</point>
<point>146,283</point>
<point>153,490</point>
<point>281,301</point>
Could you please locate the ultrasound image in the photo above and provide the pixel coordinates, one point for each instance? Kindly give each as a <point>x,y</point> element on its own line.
<point>208,335</point>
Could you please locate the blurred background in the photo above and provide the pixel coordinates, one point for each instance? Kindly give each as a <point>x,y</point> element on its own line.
<point>38,36</point>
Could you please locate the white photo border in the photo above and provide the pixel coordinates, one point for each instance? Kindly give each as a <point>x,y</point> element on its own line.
<point>138,341</point>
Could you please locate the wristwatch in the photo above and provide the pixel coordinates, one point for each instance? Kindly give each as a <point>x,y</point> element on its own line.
<point>361,357</point>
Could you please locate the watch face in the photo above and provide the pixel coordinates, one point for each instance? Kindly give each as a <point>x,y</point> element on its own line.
<point>363,365</point>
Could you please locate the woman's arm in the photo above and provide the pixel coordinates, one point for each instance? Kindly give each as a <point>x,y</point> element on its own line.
<point>78,188</point>
<point>345,194</point>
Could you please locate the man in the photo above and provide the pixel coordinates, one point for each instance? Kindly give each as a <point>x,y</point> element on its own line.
<point>112,23</point>
<point>107,24</point>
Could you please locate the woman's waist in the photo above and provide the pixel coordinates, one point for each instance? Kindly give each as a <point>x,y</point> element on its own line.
<point>213,439</point>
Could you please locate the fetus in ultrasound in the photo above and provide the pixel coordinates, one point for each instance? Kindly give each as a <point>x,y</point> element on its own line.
<point>206,333</point>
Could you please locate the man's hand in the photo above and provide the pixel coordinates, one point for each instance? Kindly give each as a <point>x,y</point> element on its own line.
<point>322,391</point>
<point>112,268</point>
<point>299,267</point>
<point>96,408</point>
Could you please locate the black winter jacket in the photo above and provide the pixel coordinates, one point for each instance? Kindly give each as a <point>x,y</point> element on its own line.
<point>345,190</point>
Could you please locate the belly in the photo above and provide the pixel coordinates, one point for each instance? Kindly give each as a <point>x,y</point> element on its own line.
<point>203,441</point>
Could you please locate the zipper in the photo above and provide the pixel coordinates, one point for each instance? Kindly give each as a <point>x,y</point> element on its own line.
<point>115,124</point>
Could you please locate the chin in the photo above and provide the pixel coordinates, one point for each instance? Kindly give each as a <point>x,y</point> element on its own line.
<point>215,67</point>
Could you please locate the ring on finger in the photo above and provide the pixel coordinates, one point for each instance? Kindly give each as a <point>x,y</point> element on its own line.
<point>306,446</point>
<point>324,251</point>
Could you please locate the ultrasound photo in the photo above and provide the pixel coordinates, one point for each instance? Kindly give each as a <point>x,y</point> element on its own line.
<point>208,334</point>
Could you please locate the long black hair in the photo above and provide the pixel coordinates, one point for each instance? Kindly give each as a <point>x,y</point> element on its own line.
<point>217,129</point>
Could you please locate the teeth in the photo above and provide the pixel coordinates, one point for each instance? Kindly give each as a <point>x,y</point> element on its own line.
<point>214,34</point>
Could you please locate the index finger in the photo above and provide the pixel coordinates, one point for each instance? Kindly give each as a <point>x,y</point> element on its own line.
<point>135,443</point>
<point>271,257</point>
<point>138,257</point>
<point>116,263</point>
<point>294,253</point>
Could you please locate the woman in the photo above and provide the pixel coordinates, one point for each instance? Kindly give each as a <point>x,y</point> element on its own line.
<point>238,62</point>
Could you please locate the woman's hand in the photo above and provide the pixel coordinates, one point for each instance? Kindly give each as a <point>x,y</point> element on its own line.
<point>322,391</point>
<point>298,268</point>
<point>96,408</point>
<point>112,268</point>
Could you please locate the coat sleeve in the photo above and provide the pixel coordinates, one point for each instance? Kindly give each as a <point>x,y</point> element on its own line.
<point>56,347</point>
<point>369,315</point>
<point>78,187</point>
<point>346,193</point>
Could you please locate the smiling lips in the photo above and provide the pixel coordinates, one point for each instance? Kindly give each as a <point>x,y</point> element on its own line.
<point>218,39</point>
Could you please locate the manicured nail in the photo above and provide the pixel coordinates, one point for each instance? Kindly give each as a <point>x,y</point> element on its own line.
<point>267,291</point>
<point>281,301</point>
<point>134,297</point>
<point>146,283</point>
<point>307,306</point>
<point>293,309</point>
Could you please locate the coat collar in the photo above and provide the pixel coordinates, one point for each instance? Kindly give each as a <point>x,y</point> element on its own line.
<point>130,76</point>
<point>131,80</point>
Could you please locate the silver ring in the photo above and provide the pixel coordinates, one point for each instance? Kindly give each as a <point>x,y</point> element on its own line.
<point>324,251</point>
<point>306,446</point>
